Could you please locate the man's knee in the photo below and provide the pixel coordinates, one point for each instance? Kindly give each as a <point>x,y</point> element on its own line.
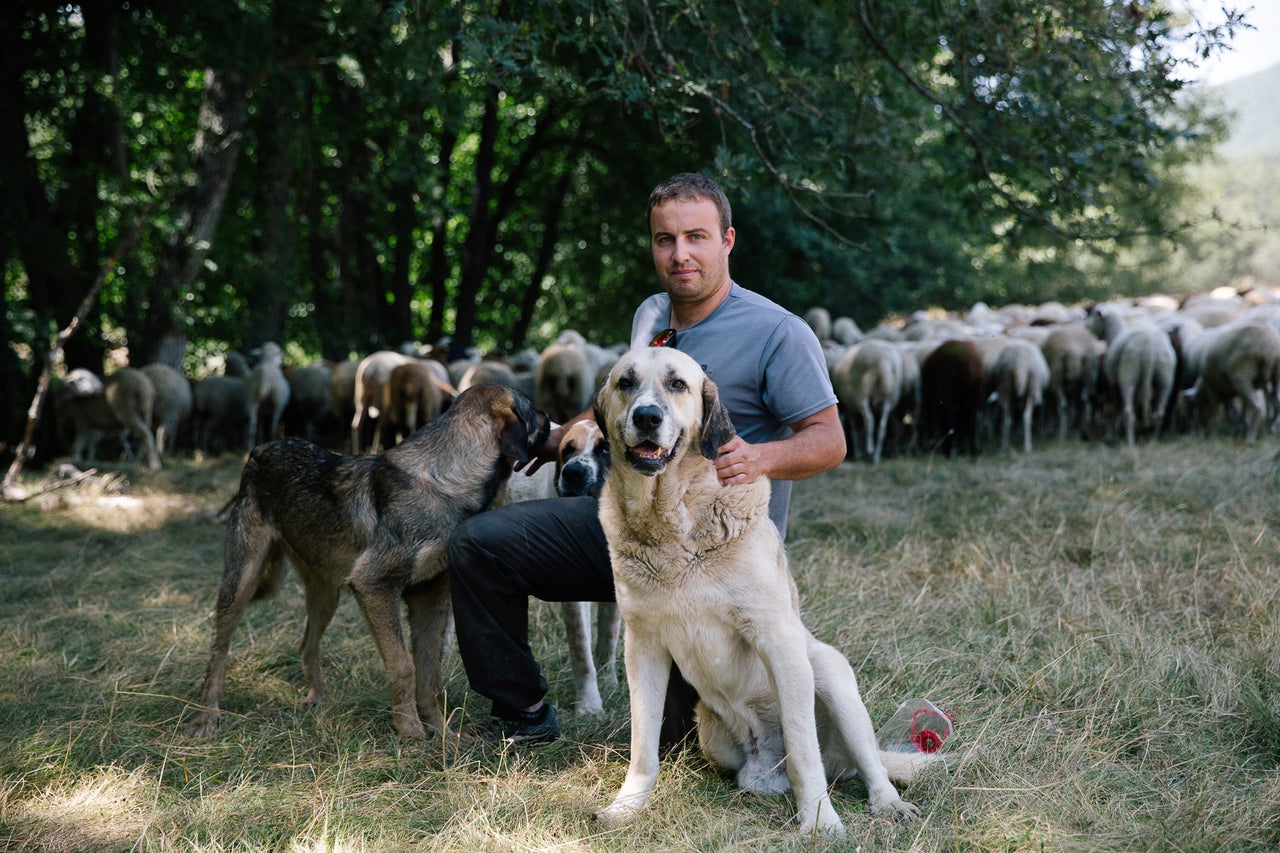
<point>466,544</point>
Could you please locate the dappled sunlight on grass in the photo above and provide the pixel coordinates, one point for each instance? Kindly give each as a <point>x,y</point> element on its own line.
<point>1102,626</point>
<point>105,809</point>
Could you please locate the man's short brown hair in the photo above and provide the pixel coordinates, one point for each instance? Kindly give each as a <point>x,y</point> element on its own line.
<point>688,186</point>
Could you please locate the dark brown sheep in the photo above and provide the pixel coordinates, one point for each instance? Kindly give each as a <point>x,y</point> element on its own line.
<point>952,393</point>
<point>219,414</point>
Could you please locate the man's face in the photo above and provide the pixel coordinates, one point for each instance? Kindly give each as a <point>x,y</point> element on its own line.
<point>690,254</point>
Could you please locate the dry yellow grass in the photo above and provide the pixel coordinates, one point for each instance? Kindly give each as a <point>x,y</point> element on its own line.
<point>1103,624</point>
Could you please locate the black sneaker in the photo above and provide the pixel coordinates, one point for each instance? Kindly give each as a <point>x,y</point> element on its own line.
<point>527,727</point>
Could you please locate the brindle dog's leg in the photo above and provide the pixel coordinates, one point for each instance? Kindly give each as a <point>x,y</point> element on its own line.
<point>429,612</point>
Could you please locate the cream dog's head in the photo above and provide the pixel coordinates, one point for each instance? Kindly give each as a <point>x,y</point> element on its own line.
<point>657,404</point>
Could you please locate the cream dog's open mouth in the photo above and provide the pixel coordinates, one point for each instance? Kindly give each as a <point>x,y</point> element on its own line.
<point>649,458</point>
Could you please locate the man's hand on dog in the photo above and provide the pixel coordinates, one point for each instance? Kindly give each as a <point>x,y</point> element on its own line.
<point>738,462</point>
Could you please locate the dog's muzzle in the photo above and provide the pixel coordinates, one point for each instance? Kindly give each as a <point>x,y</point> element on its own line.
<point>648,453</point>
<point>579,478</point>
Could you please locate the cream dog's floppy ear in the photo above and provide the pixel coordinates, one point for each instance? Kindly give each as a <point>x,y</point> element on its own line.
<point>716,426</point>
<point>598,412</point>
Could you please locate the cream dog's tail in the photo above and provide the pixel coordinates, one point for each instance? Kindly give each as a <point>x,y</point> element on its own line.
<point>903,767</point>
<point>912,736</point>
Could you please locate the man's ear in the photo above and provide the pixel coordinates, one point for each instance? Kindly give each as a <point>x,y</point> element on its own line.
<point>717,429</point>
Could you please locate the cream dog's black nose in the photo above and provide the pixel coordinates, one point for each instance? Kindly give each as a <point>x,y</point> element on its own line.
<point>647,417</point>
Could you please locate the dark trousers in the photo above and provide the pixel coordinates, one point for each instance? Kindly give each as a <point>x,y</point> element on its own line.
<point>554,550</point>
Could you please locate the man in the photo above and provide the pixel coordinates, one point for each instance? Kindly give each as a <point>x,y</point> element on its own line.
<point>771,376</point>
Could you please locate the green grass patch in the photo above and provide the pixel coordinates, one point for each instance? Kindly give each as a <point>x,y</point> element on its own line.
<point>1103,624</point>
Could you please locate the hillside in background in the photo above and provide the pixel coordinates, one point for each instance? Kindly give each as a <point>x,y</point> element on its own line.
<point>1233,233</point>
<point>1255,100</point>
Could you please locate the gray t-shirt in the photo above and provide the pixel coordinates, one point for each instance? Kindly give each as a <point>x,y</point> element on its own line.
<point>766,362</point>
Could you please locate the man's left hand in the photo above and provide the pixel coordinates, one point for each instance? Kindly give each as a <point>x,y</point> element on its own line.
<point>738,462</point>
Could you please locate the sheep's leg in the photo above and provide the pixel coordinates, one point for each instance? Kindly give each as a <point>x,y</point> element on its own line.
<point>869,426</point>
<point>139,428</point>
<point>882,428</point>
<point>357,424</point>
<point>1130,416</point>
<point>1028,410</point>
<point>608,629</point>
<point>251,433</point>
<point>1255,411</point>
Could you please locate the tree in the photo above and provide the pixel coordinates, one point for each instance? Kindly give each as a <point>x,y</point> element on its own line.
<point>347,176</point>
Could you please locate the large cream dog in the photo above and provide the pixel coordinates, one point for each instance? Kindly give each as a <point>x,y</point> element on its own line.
<point>702,579</point>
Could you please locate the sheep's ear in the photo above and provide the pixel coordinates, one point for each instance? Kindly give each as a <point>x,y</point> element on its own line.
<point>716,426</point>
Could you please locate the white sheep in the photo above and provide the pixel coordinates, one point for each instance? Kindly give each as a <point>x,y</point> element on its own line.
<point>121,405</point>
<point>172,406</point>
<point>266,393</point>
<point>218,412</point>
<point>565,379</point>
<point>1238,361</point>
<point>1071,352</point>
<point>845,331</point>
<point>868,384</point>
<point>488,372</point>
<point>372,374</point>
<point>819,320</point>
<point>310,399</point>
<point>1139,368</point>
<point>412,398</point>
<point>1019,375</point>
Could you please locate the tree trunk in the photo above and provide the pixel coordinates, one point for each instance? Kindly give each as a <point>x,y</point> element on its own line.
<point>217,146</point>
<point>54,229</point>
<point>475,249</point>
<point>267,316</point>
<point>404,220</point>
<point>546,252</point>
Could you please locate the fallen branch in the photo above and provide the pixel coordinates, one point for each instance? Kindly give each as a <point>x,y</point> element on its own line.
<point>15,494</point>
<point>26,448</point>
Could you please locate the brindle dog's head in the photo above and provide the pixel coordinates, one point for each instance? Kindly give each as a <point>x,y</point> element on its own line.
<point>521,428</point>
<point>656,404</point>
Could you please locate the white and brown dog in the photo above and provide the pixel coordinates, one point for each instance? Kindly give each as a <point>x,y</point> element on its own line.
<point>702,580</point>
<point>582,463</point>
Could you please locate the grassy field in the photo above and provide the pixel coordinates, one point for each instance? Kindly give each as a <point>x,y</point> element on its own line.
<point>1103,624</point>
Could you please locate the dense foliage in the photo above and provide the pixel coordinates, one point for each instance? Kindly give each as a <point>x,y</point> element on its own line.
<point>345,176</point>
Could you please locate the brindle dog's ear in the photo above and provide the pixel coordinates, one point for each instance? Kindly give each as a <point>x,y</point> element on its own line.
<point>523,426</point>
<point>514,443</point>
<point>716,426</point>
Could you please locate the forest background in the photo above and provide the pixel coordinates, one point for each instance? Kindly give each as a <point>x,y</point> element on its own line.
<point>346,176</point>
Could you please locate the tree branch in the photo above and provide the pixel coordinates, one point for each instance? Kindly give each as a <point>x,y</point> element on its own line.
<point>26,448</point>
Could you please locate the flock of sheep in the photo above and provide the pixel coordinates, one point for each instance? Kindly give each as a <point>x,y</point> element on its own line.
<point>934,381</point>
<point>351,406</point>
<point>1203,362</point>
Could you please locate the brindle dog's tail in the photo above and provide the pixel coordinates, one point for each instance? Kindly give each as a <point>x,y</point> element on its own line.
<point>251,546</point>
<point>222,515</point>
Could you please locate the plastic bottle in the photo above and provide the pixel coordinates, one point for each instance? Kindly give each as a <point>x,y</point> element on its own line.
<point>917,726</point>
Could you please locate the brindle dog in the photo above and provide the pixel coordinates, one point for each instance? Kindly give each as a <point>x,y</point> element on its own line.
<point>378,524</point>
